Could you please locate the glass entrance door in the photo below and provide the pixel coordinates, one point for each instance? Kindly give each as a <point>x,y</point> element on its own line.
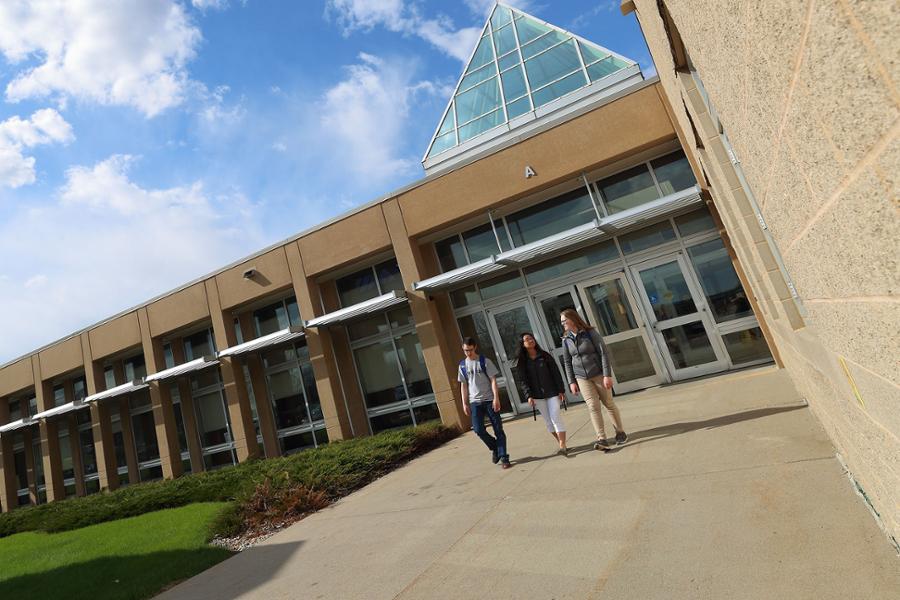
<point>507,322</point>
<point>679,318</point>
<point>612,310</point>
<point>550,305</point>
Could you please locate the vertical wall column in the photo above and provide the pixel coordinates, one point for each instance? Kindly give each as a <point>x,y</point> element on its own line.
<point>321,353</point>
<point>260,392</point>
<point>161,399</point>
<point>49,436</point>
<point>438,352</point>
<point>30,474</point>
<point>70,421</point>
<point>8,489</point>
<point>239,411</point>
<point>188,416</point>
<point>101,422</point>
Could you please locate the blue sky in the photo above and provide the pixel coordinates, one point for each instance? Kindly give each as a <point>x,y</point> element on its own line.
<point>144,143</point>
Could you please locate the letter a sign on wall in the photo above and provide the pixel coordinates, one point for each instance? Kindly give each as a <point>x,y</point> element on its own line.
<point>529,172</point>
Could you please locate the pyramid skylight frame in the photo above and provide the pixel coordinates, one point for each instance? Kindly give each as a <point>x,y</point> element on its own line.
<point>534,63</point>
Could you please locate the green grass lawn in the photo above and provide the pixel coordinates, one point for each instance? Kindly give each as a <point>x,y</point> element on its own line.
<point>129,558</point>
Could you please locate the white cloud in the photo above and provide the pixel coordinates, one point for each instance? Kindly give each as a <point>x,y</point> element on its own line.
<point>406,18</point>
<point>46,126</point>
<point>366,116</point>
<point>210,4</point>
<point>106,244</point>
<point>129,52</point>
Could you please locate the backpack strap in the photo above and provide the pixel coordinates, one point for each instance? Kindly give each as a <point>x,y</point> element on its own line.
<point>462,369</point>
<point>483,362</point>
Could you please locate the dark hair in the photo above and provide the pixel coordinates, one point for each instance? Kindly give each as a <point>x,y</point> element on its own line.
<point>523,353</point>
<point>470,341</point>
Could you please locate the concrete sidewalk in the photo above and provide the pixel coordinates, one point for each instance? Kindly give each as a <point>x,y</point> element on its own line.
<point>728,488</point>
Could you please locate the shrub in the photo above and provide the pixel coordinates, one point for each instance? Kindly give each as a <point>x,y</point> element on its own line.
<point>298,483</point>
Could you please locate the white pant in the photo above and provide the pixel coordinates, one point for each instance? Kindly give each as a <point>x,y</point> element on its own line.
<point>549,409</point>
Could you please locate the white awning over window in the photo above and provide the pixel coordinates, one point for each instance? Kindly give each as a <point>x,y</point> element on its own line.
<point>460,276</point>
<point>279,337</point>
<point>554,244</point>
<point>651,210</point>
<point>119,390</point>
<point>188,367</point>
<point>60,410</point>
<point>17,425</point>
<point>362,309</point>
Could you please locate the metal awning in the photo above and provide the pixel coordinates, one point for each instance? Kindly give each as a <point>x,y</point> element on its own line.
<point>189,367</point>
<point>460,276</point>
<point>562,242</point>
<point>554,244</point>
<point>650,210</point>
<point>17,425</point>
<point>279,337</point>
<point>362,309</point>
<point>60,410</point>
<point>119,390</point>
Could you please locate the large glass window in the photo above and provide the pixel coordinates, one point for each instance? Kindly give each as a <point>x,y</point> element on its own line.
<point>144,430</point>
<point>276,317</point>
<point>481,242</point>
<point>199,344</point>
<point>15,410</point>
<point>379,375</point>
<point>369,283</point>
<point>135,369</point>
<point>628,189</point>
<point>570,263</point>
<point>719,281</point>
<point>59,395</point>
<point>80,388</point>
<point>65,451</point>
<point>450,253</point>
<point>646,238</point>
<point>551,217</point>
<point>673,173</point>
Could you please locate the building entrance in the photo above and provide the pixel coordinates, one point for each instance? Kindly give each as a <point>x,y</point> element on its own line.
<point>679,318</point>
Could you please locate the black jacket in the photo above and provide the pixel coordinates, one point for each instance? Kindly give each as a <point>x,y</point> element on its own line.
<point>540,377</point>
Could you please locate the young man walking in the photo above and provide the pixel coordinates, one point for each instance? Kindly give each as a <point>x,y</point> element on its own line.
<point>480,397</point>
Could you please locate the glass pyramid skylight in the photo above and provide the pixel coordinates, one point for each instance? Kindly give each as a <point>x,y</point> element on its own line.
<point>519,65</point>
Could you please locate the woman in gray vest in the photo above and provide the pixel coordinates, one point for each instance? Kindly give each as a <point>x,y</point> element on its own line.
<point>587,369</point>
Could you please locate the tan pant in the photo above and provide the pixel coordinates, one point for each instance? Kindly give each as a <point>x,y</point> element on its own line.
<point>594,395</point>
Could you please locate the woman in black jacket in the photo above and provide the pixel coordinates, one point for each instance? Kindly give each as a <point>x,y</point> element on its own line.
<point>543,385</point>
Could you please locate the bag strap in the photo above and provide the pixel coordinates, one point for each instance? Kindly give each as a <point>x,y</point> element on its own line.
<point>481,361</point>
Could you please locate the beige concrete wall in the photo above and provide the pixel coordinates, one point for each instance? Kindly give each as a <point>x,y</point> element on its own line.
<point>345,241</point>
<point>115,336</point>
<point>272,274</point>
<point>61,358</point>
<point>623,127</point>
<point>806,92</point>
<point>178,310</point>
<point>16,377</point>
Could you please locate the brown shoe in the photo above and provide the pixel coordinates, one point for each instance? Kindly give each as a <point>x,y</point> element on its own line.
<point>602,445</point>
<point>505,465</point>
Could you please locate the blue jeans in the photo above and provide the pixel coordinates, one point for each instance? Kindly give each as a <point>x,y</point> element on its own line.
<point>479,410</point>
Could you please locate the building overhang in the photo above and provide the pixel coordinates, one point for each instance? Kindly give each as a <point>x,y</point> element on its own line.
<point>119,390</point>
<point>60,410</point>
<point>189,367</point>
<point>18,425</point>
<point>359,310</point>
<point>460,276</point>
<point>563,242</point>
<point>279,337</point>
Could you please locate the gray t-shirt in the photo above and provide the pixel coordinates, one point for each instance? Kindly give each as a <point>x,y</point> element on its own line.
<point>479,382</point>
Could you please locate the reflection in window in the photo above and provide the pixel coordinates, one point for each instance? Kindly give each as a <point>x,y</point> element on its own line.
<point>369,283</point>
<point>482,243</point>
<point>628,189</point>
<point>648,237</point>
<point>695,222</point>
<point>475,326</point>
<point>719,281</point>
<point>746,346</point>
<point>498,286</point>
<point>379,374</point>
<point>570,263</point>
<point>551,217</point>
<point>673,172</point>
<point>667,291</point>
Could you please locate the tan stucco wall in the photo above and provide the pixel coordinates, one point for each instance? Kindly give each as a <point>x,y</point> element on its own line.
<point>344,241</point>
<point>272,274</point>
<point>115,336</point>
<point>61,358</point>
<point>582,144</point>
<point>178,310</point>
<point>806,92</point>
<point>15,377</point>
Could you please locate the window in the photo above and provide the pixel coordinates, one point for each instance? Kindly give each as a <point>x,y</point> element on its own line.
<point>570,263</point>
<point>369,283</point>
<point>277,316</point>
<point>482,243</point>
<point>59,395</point>
<point>15,410</point>
<point>200,344</point>
<point>698,221</point>
<point>648,237</point>
<point>551,217</point>
<point>628,189</point>
<point>135,369</point>
<point>80,388</point>
<point>450,253</point>
<point>109,375</point>
<point>720,283</point>
<point>673,173</point>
